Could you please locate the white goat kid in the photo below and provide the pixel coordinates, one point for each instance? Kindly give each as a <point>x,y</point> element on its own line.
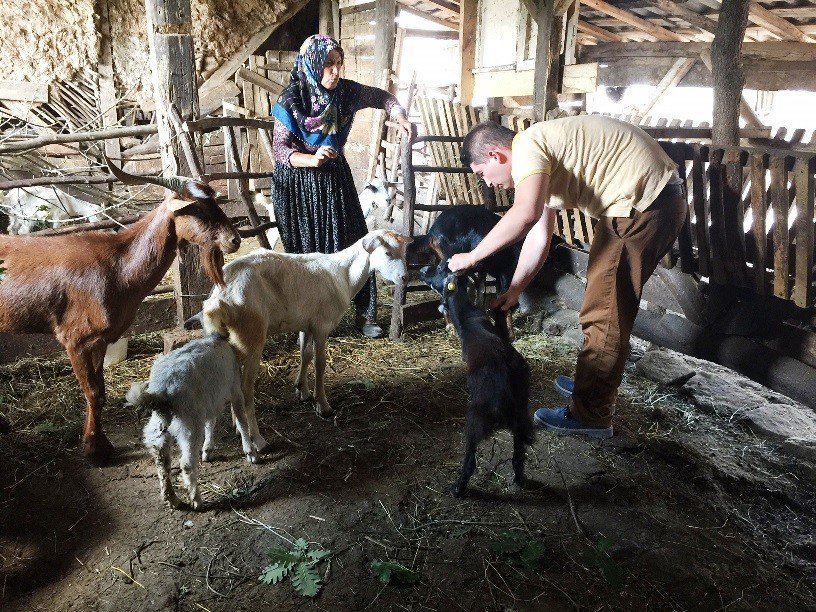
<point>187,391</point>
<point>270,293</point>
<point>375,194</point>
<point>28,207</point>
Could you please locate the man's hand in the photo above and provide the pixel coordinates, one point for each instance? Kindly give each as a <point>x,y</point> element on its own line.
<point>461,261</point>
<point>322,155</point>
<point>506,300</point>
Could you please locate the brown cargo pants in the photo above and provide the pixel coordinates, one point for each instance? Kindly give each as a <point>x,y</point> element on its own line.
<point>624,253</point>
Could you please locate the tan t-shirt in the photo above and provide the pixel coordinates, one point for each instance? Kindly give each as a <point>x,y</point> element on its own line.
<point>599,165</point>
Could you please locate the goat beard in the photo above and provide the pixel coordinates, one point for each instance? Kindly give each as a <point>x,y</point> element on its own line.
<point>212,260</point>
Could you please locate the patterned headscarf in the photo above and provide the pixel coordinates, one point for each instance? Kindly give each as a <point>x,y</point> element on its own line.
<point>311,112</point>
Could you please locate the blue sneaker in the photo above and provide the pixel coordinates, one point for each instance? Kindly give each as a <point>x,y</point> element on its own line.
<point>561,421</point>
<point>564,385</point>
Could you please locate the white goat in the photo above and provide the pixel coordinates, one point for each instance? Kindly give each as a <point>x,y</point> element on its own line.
<point>269,293</point>
<point>28,207</point>
<point>187,391</point>
<point>375,193</point>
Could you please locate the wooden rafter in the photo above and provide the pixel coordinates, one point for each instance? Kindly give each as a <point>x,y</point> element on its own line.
<point>675,74</point>
<point>695,19</point>
<point>776,25</point>
<point>415,8</point>
<point>633,20</point>
<point>592,30</point>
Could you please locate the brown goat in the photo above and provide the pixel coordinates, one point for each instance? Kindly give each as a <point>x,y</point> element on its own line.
<point>85,288</point>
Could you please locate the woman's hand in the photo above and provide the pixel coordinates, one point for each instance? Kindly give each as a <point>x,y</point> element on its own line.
<point>322,155</point>
<point>408,129</point>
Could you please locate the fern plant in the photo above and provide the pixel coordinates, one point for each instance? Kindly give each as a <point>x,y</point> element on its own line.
<point>391,572</point>
<point>299,564</point>
<point>518,549</point>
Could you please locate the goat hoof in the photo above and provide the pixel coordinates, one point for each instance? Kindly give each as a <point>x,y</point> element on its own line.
<point>195,504</point>
<point>302,394</point>
<point>324,411</point>
<point>252,457</point>
<point>206,456</point>
<point>97,449</point>
<point>260,444</point>
<point>457,490</point>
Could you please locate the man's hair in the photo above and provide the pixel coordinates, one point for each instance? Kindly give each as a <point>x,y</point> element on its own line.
<point>481,138</point>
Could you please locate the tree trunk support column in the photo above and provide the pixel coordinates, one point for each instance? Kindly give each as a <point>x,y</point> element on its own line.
<point>172,62</point>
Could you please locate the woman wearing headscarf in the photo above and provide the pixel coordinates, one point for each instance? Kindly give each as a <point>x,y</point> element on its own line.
<point>316,203</point>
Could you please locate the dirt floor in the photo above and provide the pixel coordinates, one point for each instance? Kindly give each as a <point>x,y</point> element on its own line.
<point>679,511</point>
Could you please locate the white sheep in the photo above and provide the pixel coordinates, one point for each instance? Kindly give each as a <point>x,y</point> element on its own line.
<point>268,293</point>
<point>28,207</point>
<point>187,391</point>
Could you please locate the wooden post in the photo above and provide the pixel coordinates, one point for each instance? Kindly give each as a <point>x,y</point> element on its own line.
<point>107,90</point>
<point>727,71</point>
<point>172,63</point>
<point>468,19</point>
<point>385,32</point>
<point>545,81</point>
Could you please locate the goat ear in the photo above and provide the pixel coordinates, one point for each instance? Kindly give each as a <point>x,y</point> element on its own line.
<point>371,242</point>
<point>402,238</point>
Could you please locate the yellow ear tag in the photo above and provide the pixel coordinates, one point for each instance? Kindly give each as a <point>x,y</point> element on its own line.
<point>451,286</point>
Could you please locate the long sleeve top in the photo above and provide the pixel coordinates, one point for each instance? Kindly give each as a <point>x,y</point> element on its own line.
<point>284,142</point>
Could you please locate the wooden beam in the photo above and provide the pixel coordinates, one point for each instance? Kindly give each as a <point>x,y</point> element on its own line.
<point>107,89</point>
<point>410,7</point>
<point>770,50</point>
<point>681,67</point>
<point>633,20</point>
<point>468,20</point>
<point>580,78</point>
<point>548,45</point>
<point>449,9</point>
<point>24,91</point>
<point>385,30</point>
<point>695,19</point>
<point>435,34</point>
<point>761,16</point>
<point>599,33</point>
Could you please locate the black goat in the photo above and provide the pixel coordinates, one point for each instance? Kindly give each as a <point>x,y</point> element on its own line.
<point>458,230</point>
<point>498,376</point>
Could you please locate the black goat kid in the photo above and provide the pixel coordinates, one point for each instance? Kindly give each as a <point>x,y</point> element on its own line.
<point>498,377</point>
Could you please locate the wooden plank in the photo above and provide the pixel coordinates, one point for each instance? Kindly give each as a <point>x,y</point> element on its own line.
<point>592,30</point>
<point>693,18</point>
<point>679,69</point>
<point>633,20</point>
<point>780,205</point>
<point>733,217</point>
<point>803,284</point>
<point>468,23</point>
<point>716,230</point>
<point>24,91</point>
<point>768,50</point>
<point>107,89</point>
<point>580,78</point>
<point>775,24</point>
<point>546,75</point>
<point>251,76</point>
<point>759,209</point>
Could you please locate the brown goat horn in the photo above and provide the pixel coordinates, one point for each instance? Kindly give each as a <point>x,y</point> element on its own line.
<point>173,183</point>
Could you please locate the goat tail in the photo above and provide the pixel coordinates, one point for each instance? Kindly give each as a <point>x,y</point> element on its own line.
<point>139,396</point>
